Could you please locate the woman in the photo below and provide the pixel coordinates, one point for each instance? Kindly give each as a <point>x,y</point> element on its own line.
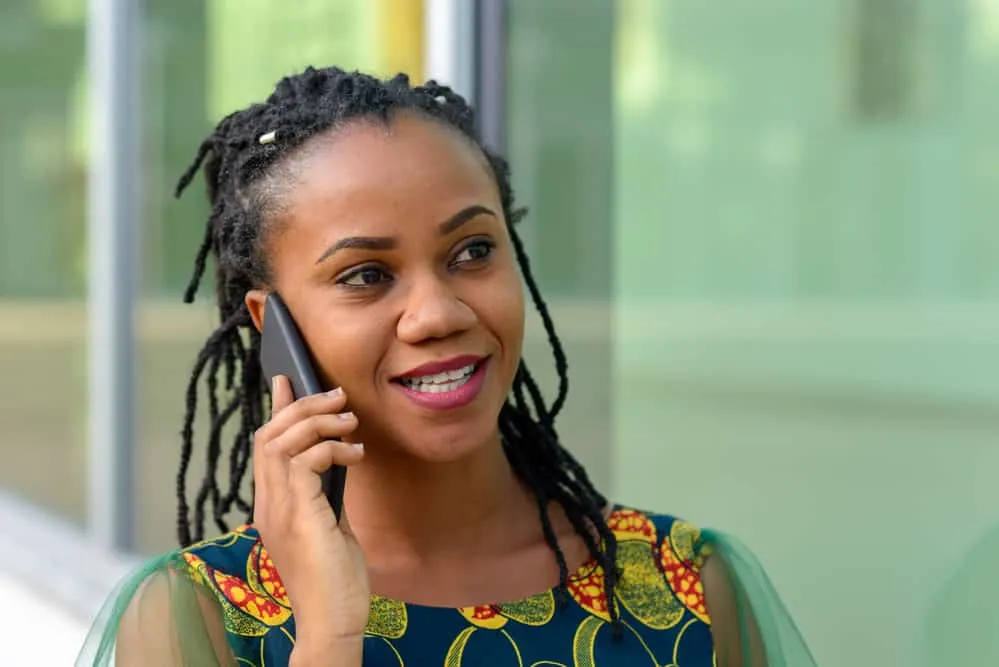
<point>469,535</point>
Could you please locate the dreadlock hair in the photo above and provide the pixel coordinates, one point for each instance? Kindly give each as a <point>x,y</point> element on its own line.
<point>240,158</point>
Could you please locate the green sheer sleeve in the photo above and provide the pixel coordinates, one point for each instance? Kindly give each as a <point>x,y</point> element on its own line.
<point>161,615</point>
<point>750,624</point>
<point>960,627</point>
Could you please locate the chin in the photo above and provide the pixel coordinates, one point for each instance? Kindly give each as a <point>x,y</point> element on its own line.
<point>437,434</point>
<point>451,443</point>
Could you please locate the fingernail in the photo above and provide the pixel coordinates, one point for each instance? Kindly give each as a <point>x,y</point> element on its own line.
<point>346,416</point>
<point>335,393</point>
<point>358,445</point>
<point>274,384</point>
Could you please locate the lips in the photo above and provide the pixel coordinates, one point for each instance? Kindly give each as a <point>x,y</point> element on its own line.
<point>441,371</point>
<point>445,385</point>
<point>440,382</point>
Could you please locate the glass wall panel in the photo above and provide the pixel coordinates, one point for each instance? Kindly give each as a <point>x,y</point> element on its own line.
<point>561,150</point>
<point>801,253</point>
<point>805,281</point>
<point>43,169</point>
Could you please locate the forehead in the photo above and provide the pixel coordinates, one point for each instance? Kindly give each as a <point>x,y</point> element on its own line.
<point>369,170</point>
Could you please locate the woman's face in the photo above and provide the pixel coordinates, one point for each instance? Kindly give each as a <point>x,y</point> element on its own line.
<point>392,254</point>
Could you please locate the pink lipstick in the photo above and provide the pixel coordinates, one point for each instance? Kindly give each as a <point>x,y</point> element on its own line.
<point>445,385</point>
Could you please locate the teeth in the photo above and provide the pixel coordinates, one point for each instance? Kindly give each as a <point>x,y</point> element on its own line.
<point>441,382</point>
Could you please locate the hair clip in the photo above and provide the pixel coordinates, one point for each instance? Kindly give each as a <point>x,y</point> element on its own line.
<point>267,138</point>
<point>440,99</point>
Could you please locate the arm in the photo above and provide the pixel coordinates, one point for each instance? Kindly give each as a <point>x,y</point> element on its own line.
<point>751,626</point>
<point>171,622</point>
<point>734,628</point>
<point>159,616</point>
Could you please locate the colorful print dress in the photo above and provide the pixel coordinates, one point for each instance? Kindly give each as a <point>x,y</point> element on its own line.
<point>660,600</point>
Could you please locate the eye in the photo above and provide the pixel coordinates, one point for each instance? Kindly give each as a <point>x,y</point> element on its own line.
<point>366,276</point>
<point>475,251</point>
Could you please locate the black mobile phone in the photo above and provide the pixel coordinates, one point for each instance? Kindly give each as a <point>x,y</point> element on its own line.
<point>284,352</point>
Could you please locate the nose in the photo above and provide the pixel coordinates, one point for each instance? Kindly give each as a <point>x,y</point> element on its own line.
<point>433,311</point>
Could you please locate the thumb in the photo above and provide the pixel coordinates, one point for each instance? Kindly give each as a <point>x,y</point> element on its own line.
<point>344,523</point>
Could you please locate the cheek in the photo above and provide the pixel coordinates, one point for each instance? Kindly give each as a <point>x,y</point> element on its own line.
<point>348,348</point>
<point>502,311</point>
<point>515,317</point>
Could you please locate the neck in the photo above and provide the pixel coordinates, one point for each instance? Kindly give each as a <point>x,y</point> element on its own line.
<point>399,507</point>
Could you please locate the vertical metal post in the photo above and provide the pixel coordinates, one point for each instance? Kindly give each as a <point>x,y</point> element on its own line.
<point>490,76</point>
<point>113,207</point>
<point>449,44</point>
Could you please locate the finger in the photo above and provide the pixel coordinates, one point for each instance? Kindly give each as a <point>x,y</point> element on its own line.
<point>281,394</point>
<point>304,470</point>
<point>328,403</point>
<point>281,397</point>
<point>324,455</point>
<point>308,432</point>
<point>263,474</point>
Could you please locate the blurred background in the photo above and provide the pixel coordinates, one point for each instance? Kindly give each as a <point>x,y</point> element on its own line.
<point>767,232</point>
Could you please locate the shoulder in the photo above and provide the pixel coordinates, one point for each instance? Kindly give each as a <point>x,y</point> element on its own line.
<point>696,570</point>
<point>680,542</point>
<point>682,547</point>
<point>649,543</point>
<point>238,571</point>
<point>228,553</point>
<point>158,609</point>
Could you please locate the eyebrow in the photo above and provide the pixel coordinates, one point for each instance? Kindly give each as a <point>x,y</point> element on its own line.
<point>387,242</point>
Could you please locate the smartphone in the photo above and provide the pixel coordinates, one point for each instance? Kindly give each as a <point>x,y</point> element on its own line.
<point>283,352</point>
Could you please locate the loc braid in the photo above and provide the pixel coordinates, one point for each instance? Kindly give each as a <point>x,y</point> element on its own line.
<point>187,443</point>
<point>561,366</point>
<point>208,356</point>
<point>239,454</point>
<point>242,447</point>
<point>213,446</point>
<point>527,382</point>
<point>511,434</point>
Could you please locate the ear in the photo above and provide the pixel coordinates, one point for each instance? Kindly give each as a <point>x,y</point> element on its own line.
<point>255,301</point>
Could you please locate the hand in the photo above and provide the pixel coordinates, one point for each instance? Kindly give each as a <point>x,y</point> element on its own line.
<point>320,563</point>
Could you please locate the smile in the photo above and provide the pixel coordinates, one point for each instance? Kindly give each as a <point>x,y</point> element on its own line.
<point>445,385</point>
<point>441,382</point>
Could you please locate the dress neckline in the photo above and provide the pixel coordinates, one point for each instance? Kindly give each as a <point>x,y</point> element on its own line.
<point>582,575</point>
